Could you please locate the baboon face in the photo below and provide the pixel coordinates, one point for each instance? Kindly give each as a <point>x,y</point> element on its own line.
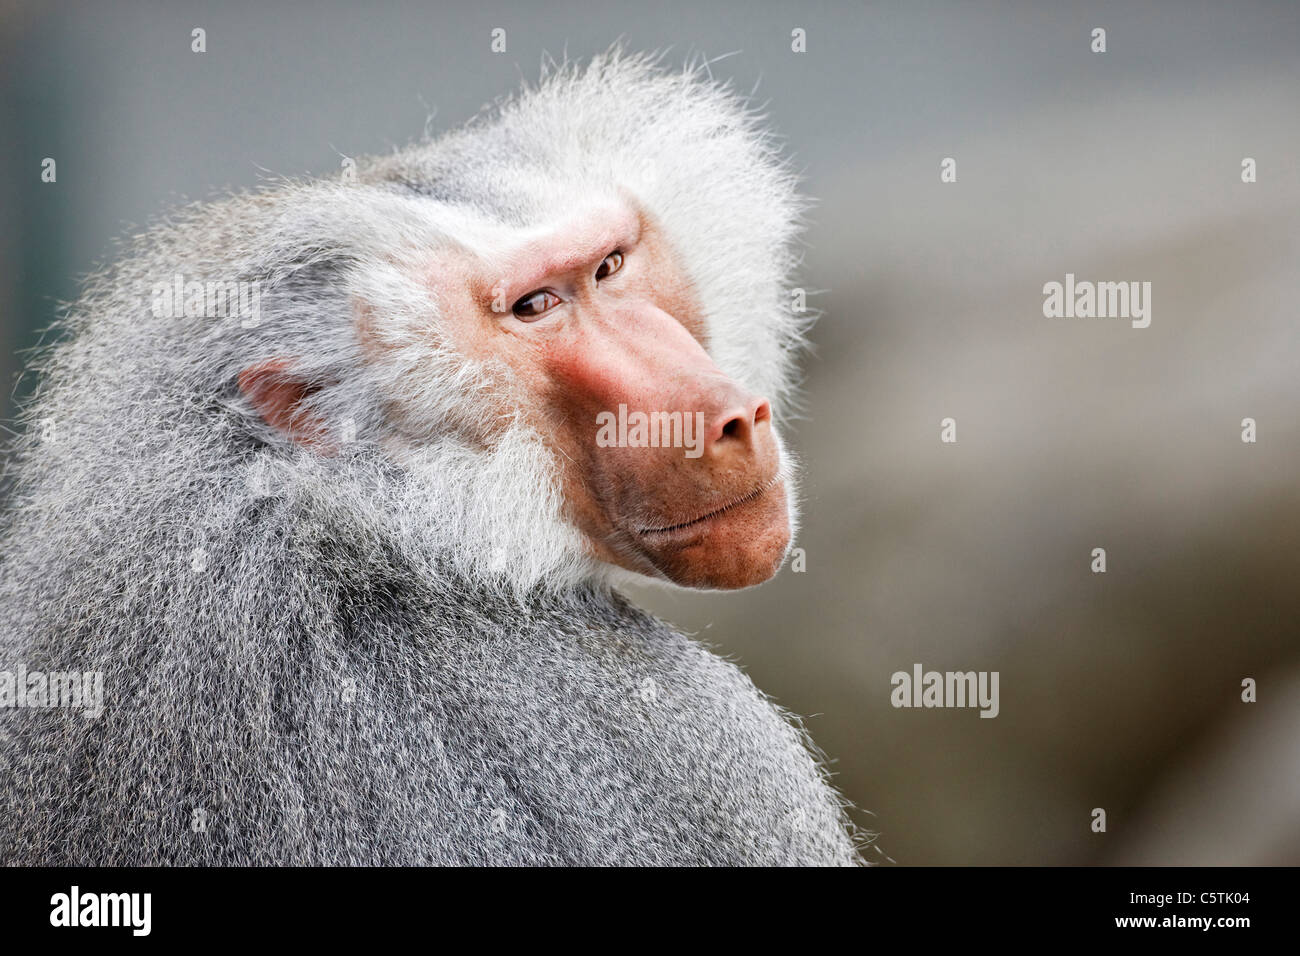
<point>669,467</point>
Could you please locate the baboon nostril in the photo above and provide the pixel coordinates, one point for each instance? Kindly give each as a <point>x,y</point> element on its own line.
<point>740,421</point>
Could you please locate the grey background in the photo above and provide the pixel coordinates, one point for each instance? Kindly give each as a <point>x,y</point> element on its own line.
<point>1120,690</point>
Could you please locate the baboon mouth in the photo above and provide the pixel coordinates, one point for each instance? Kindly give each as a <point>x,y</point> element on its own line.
<point>736,503</point>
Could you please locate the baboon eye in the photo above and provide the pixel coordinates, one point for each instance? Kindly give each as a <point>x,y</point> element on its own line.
<point>534,304</point>
<point>612,263</point>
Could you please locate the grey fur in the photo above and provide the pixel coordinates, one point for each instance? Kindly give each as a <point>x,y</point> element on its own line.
<point>358,659</point>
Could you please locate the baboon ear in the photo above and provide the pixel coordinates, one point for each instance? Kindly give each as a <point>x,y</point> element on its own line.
<point>277,393</point>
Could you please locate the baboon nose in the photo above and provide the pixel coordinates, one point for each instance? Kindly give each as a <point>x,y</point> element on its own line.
<point>738,423</point>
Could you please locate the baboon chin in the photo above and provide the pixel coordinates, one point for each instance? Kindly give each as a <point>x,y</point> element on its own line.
<point>334,487</point>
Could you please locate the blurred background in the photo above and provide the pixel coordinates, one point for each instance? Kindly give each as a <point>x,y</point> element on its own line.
<point>1119,690</point>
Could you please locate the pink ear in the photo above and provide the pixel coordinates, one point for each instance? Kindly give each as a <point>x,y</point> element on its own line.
<point>276,393</point>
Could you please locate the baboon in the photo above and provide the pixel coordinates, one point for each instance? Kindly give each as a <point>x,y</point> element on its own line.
<point>345,551</point>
